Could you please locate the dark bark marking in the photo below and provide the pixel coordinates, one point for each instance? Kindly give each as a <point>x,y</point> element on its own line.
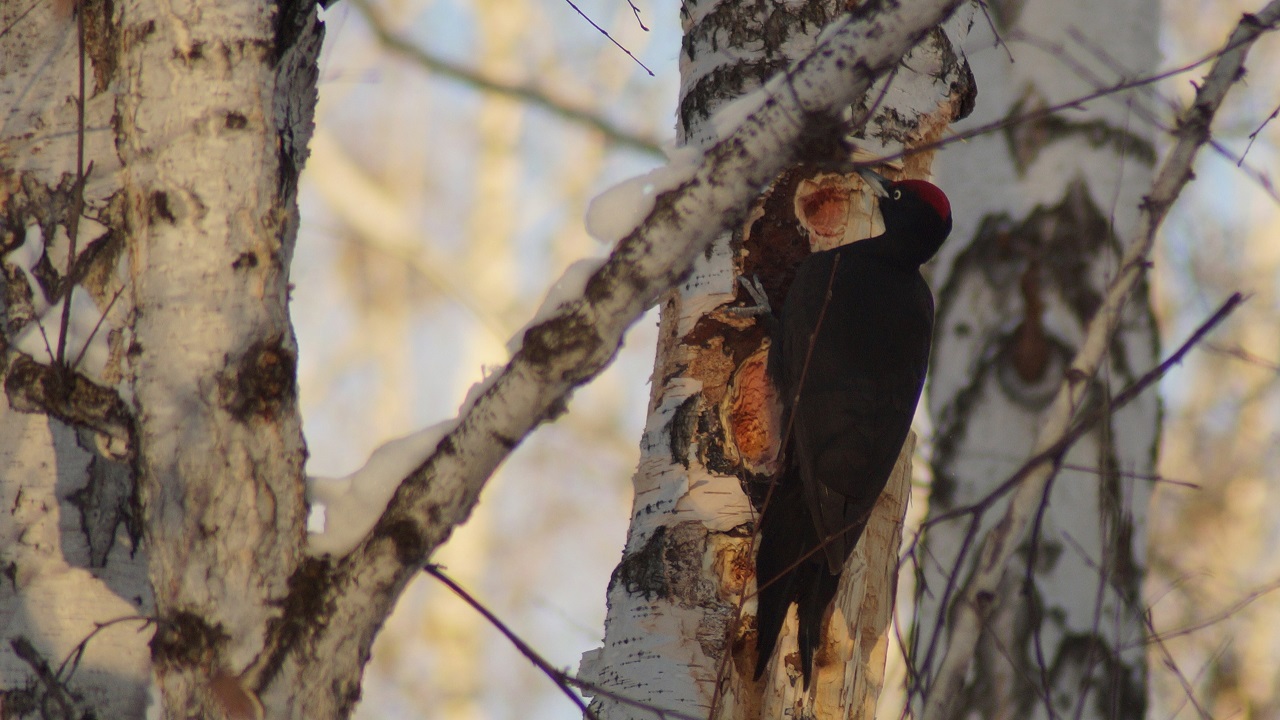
<point>101,38</point>
<point>641,572</point>
<point>45,694</point>
<point>186,639</point>
<point>291,19</point>
<point>601,285</point>
<point>68,396</point>
<point>407,537</point>
<point>304,609</point>
<point>190,55</point>
<point>261,381</point>
<point>1050,252</point>
<point>716,87</point>
<point>292,52</point>
<point>135,34</point>
<point>561,337</point>
<point>246,260</point>
<point>680,429</point>
<point>158,207</point>
<point>712,444</point>
<point>1116,691</point>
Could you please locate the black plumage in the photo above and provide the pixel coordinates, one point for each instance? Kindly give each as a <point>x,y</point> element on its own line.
<point>857,387</point>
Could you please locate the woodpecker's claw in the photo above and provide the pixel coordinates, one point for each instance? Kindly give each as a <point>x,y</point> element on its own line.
<point>878,183</point>
<point>756,291</point>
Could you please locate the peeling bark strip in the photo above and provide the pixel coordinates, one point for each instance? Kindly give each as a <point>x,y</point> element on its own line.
<point>1093,668</point>
<point>676,635</point>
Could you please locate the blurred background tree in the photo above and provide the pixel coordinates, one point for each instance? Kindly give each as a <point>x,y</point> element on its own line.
<point>457,145</point>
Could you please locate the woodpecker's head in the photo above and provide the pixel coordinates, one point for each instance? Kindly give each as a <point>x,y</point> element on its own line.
<point>917,215</point>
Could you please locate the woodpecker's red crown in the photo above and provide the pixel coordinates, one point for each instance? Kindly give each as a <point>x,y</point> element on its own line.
<point>929,193</point>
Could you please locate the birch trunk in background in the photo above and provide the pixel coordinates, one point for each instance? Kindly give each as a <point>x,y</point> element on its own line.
<point>68,533</point>
<point>679,630</point>
<point>1039,206</point>
<point>178,428</point>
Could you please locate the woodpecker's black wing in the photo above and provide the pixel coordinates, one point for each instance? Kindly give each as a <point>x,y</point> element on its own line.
<point>861,381</point>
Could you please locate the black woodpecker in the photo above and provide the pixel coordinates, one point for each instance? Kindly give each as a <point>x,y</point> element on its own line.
<point>848,359</point>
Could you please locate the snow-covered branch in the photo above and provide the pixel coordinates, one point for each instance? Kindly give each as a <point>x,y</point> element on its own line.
<point>998,546</point>
<point>576,342</point>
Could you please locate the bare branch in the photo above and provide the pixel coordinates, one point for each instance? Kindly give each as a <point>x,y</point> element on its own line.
<point>998,545</point>
<point>1221,616</point>
<point>556,676</point>
<point>605,33</point>
<point>1254,135</point>
<point>564,680</point>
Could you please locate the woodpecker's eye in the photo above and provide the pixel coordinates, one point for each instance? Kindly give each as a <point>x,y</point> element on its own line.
<point>897,194</point>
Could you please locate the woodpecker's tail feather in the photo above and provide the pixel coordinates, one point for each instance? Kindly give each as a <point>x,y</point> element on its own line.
<point>781,542</point>
<point>815,592</point>
<point>783,578</point>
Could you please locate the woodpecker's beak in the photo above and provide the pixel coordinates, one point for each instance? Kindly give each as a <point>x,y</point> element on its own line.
<point>879,184</point>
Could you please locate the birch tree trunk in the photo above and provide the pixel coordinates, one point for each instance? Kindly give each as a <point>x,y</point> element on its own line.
<point>1026,266</point>
<point>169,454</point>
<point>679,631</point>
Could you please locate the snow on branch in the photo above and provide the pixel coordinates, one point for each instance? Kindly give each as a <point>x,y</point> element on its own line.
<point>576,342</point>
<point>1000,543</point>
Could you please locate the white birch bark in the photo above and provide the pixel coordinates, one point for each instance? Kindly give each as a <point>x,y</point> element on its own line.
<point>180,427</point>
<point>1040,208</point>
<point>674,632</point>
<point>69,532</point>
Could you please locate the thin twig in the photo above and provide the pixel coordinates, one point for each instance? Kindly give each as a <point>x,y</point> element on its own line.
<point>21,16</point>
<point>1240,353</point>
<point>635,10</point>
<point>77,205</point>
<point>55,687</point>
<point>986,13</point>
<point>557,676</point>
<point>532,95</point>
<point>72,661</point>
<point>605,33</point>
<point>1166,659</point>
<point>661,713</point>
<point>1254,135</point>
<point>102,317</point>
<point>1220,617</point>
<point>562,679</point>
